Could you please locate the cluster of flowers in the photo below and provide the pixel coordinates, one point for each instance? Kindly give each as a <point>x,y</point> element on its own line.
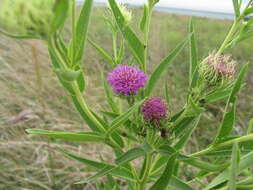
<point>127,81</point>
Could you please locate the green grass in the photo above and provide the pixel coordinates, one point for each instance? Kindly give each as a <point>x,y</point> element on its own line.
<point>29,162</point>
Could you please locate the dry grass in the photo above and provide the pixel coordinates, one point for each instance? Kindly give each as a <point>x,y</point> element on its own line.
<point>28,86</point>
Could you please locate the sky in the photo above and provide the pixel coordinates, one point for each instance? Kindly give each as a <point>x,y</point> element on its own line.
<point>224,6</point>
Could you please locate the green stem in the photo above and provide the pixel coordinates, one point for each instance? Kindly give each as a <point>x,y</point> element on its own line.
<point>115,51</point>
<point>76,89</point>
<point>84,106</point>
<point>146,37</point>
<point>222,145</point>
<point>143,181</point>
<point>73,32</point>
<point>228,38</point>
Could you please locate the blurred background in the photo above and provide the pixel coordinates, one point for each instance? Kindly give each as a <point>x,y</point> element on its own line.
<point>31,97</point>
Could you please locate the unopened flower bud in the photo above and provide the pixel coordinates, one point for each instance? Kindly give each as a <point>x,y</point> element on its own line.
<point>154,110</point>
<point>217,70</point>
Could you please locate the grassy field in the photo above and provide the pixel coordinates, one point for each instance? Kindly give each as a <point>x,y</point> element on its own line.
<point>31,97</point>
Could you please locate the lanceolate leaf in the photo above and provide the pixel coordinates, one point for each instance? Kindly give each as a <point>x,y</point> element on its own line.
<point>234,167</point>
<point>162,67</point>
<point>118,171</point>
<point>236,8</point>
<point>82,29</point>
<point>183,140</point>
<point>227,123</point>
<point>109,97</point>
<point>218,95</point>
<point>90,123</point>
<point>144,18</point>
<point>239,82</point>
<point>164,180</point>
<point>60,14</point>
<point>245,162</point>
<point>193,75</point>
<point>134,43</point>
<point>102,52</point>
<point>124,117</point>
<point>130,155</point>
<point>179,184</point>
<point>82,136</point>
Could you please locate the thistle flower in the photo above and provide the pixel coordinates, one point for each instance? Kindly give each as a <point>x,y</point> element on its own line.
<point>126,80</point>
<point>27,17</point>
<point>217,70</point>
<point>154,110</point>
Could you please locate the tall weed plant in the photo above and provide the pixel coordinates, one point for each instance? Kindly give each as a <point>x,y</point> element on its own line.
<point>137,125</point>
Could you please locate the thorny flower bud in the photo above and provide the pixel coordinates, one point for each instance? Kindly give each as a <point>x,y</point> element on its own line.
<point>127,80</point>
<point>217,70</point>
<point>32,17</point>
<point>154,110</point>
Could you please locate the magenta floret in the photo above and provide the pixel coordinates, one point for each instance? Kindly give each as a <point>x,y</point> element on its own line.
<point>127,80</point>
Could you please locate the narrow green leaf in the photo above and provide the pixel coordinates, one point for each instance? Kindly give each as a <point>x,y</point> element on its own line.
<point>143,22</point>
<point>60,14</point>
<point>248,11</point>
<point>102,52</point>
<point>134,153</point>
<point>164,180</point>
<point>56,66</point>
<point>236,8</point>
<point>182,126</point>
<point>118,171</point>
<point>246,161</point>
<point>162,67</point>
<point>179,184</point>
<point>130,155</point>
<point>15,36</point>
<point>82,136</point>
<point>90,123</point>
<point>183,140</point>
<point>193,75</point>
<point>250,126</point>
<point>136,46</point>
<point>218,95</point>
<point>227,123</point>
<point>68,75</point>
<point>234,168</point>
<point>124,117</point>
<point>82,29</point>
<point>115,135</point>
<point>239,82</point>
<point>109,97</point>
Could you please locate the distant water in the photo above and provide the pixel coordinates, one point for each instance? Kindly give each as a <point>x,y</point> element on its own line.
<point>180,11</point>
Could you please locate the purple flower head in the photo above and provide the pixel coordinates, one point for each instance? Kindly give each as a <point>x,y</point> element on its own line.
<point>154,110</point>
<point>127,80</point>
